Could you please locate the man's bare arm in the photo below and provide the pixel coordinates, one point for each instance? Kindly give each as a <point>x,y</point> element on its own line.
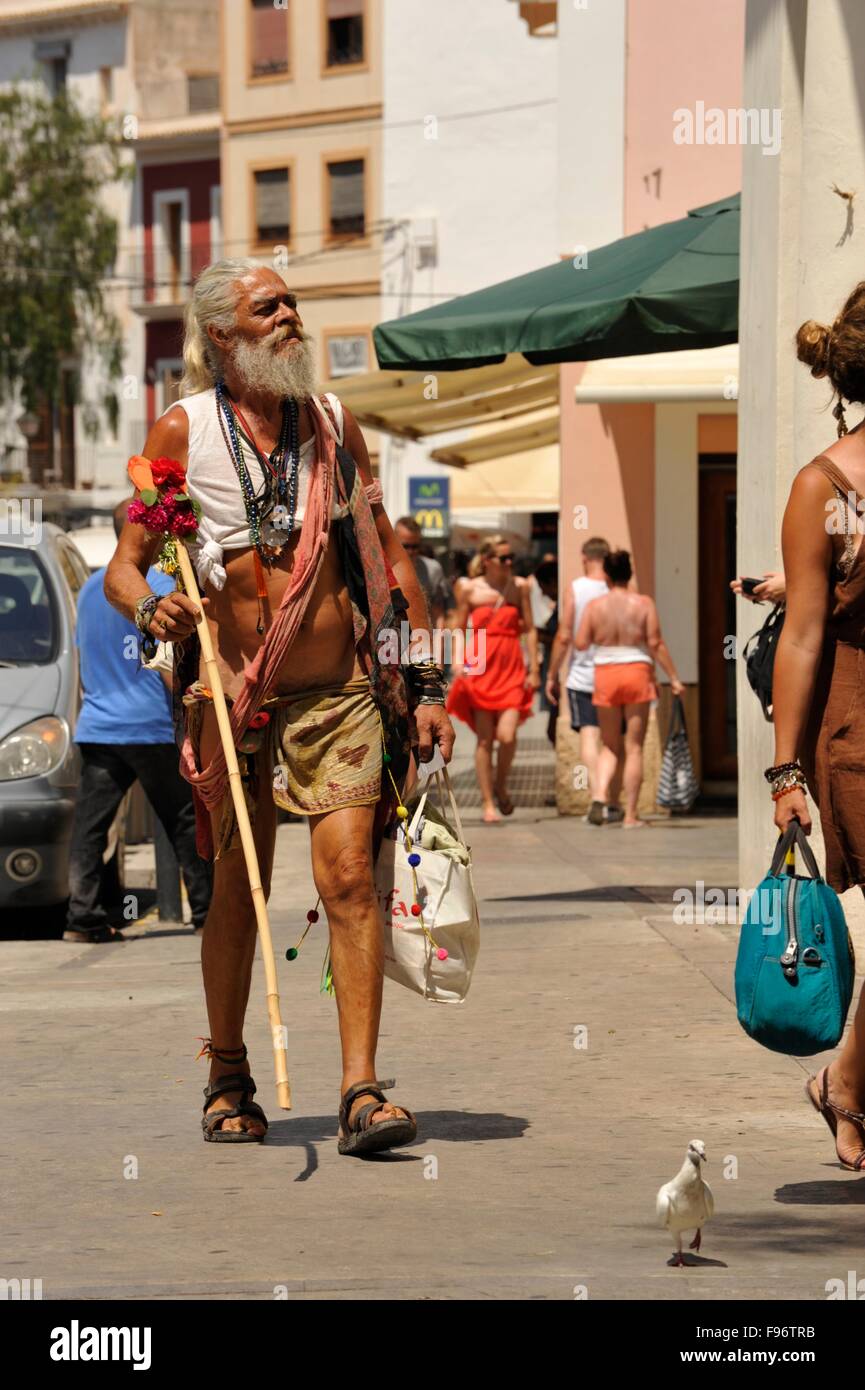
<point>432,722</point>
<point>562,644</point>
<point>176,615</point>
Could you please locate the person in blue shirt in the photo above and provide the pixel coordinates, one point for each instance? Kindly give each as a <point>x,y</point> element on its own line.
<point>125,733</point>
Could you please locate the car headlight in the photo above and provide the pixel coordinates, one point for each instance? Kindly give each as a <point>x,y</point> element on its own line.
<point>34,749</point>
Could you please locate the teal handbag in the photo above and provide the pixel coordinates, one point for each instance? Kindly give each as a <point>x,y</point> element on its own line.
<point>795,963</point>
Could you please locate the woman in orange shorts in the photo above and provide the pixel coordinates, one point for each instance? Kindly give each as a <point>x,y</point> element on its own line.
<point>623,626</point>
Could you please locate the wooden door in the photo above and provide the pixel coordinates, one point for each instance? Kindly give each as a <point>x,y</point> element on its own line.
<point>717,617</point>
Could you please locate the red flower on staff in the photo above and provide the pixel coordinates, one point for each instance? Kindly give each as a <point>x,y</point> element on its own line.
<point>168,472</point>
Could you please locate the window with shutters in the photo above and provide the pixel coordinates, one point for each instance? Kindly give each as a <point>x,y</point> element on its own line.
<point>268,40</point>
<point>272,206</point>
<point>345,34</point>
<point>202,92</point>
<point>346,198</point>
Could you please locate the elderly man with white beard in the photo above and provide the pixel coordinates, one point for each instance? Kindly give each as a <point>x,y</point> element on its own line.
<point>274,467</point>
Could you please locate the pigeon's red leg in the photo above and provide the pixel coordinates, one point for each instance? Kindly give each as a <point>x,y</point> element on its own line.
<point>695,1243</point>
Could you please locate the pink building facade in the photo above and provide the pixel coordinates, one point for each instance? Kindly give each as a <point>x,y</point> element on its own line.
<point>656,474</point>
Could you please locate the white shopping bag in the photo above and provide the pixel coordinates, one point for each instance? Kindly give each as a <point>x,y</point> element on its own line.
<point>447,896</point>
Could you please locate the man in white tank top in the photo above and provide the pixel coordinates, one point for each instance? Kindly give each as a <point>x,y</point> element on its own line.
<point>245,433</point>
<point>581,678</point>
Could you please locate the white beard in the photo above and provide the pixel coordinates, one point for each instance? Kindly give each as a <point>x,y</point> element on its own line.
<point>277,374</point>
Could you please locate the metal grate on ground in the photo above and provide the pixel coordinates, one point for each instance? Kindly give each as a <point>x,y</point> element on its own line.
<point>532,781</point>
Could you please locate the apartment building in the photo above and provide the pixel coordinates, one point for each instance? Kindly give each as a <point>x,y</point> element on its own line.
<point>154,66</point>
<point>301,161</point>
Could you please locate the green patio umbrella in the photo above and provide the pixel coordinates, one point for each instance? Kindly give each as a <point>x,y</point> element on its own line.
<point>670,287</point>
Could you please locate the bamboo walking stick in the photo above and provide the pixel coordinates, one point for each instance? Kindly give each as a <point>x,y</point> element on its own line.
<point>283,1089</point>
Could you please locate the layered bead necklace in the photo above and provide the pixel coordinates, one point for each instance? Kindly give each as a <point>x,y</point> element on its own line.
<point>270,513</point>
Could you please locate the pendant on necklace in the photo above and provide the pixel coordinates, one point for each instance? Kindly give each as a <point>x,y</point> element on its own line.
<point>273,539</point>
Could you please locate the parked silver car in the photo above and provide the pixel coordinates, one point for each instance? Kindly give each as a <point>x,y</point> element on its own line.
<point>40,580</point>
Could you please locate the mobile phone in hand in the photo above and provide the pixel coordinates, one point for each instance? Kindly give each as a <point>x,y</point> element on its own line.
<point>749,585</point>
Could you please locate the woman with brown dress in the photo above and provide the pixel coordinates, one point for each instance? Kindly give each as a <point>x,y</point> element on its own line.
<point>819,680</point>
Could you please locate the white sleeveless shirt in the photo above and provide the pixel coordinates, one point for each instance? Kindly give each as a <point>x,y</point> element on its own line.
<point>212,481</point>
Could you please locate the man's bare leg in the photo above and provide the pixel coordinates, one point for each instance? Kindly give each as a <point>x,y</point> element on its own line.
<point>590,749</point>
<point>342,867</point>
<point>228,939</point>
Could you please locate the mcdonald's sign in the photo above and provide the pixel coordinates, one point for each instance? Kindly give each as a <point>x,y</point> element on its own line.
<point>429,504</point>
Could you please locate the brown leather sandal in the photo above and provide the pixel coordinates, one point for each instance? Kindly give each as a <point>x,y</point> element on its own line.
<point>212,1120</point>
<point>360,1135</point>
<point>830,1111</point>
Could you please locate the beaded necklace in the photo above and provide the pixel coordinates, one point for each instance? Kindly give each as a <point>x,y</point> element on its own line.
<point>271,514</point>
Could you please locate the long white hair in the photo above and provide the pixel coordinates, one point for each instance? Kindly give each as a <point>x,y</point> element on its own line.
<point>214,300</point>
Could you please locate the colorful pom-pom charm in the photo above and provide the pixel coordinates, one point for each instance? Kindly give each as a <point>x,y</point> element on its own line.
<point>259,720</point>
<point>442,953</point>
<point>402,812</point>
<point>386,759</point>
<point>312,915</point>
<point>415,909</point>
<point>414,860</point>
<point>291,953</point>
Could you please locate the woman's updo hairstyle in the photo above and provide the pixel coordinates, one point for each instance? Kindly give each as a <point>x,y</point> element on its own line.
<point>617,567</point>
<point>838,352</point>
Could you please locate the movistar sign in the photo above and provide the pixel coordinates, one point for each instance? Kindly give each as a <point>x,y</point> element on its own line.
<point>429,501</point>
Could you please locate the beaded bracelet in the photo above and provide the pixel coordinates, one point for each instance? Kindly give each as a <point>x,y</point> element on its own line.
<point>772,772</point>
<point>788,782</point>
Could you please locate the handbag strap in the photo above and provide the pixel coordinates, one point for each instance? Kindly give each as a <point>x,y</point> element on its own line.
<point>442,779</point>
<point>794,836</point>
<point>415,820</point>
<point>677,722</point>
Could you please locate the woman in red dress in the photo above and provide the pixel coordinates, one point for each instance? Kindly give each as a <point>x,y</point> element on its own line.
<point>495,692</point>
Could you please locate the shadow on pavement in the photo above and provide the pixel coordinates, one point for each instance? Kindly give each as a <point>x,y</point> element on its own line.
<point>620,893</point>
<point>693,1261</point>
<point>823,1194</point>
<point>451,1125</point>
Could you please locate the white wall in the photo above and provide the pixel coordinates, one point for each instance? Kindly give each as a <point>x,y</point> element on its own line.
<point>796,264</point>
<point>486,183</point>
<point>591,126</point>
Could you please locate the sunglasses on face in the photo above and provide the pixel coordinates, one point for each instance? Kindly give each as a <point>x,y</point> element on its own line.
<point>411,545</point>
<point>506,559</point>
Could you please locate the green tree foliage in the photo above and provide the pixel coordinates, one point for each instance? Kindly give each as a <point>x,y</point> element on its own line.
<point>58,243</point>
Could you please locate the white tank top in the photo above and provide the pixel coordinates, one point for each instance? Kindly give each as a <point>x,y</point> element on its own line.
<point>581,674</point>
<point>212,481</point>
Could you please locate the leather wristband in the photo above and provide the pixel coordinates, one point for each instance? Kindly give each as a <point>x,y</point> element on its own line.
<point>144,610</point>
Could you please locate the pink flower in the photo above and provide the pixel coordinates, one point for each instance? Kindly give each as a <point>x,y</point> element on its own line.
<point>156,519</point>
<point>137,513</point>
<point>183,523</point>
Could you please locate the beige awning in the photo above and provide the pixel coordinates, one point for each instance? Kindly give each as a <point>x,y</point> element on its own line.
<point>524,482</point>
<point>532,433</point>
<point>704,374</point>
<point>415,405</point>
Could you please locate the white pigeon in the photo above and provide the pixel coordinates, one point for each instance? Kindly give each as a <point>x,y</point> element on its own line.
<point>687,1201</point>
